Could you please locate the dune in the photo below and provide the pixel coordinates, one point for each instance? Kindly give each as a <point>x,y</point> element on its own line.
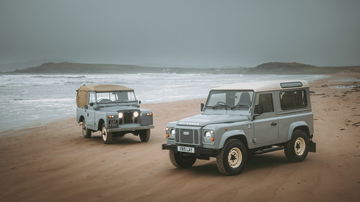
<point>55,163</point>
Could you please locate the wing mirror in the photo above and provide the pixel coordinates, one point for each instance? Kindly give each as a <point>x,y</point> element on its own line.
<point>259,109</point>
<point>202,107</point>
<point>91,104</point>
<point>139,101</point>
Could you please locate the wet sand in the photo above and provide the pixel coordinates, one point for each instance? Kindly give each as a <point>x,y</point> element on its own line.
<point>55,163</point>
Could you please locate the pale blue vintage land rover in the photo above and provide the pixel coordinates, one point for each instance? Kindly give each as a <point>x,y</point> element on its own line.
<point>113,110</point>
<point>244,119</point>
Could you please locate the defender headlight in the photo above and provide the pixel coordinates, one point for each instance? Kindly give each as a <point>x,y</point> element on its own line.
<point>136,114</point>
<point>209,136</point>
<point>172,133</point>
<point>121,115</point>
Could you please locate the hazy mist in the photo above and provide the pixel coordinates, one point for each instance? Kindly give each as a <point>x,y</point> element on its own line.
<point>181,33</point>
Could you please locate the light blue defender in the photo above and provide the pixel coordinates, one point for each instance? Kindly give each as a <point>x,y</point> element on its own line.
<point>113,110</point>
<point>244,119</point>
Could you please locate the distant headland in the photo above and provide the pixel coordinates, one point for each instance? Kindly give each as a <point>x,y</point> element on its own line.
<point>265,68</point>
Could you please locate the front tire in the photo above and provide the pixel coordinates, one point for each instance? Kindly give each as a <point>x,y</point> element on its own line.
<point>106,136</point>
<point>232,158</point>
<point>180,160</point>
<point>144,135</point>
<point>84,130</point>
<point>298,147</point>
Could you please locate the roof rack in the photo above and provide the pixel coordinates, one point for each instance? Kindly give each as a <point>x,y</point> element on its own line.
<point>292,84</point>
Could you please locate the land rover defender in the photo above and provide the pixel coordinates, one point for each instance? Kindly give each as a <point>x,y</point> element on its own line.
<point>244,119</point>
<point>112,109</point>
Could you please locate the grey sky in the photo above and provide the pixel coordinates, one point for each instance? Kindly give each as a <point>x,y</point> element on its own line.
<point>182,33</point>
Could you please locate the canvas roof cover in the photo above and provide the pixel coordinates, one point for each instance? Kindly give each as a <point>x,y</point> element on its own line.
<point>82,92</point>
<point>104,88</point>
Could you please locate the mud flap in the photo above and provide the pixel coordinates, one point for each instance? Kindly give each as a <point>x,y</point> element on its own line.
<point>312,146</point>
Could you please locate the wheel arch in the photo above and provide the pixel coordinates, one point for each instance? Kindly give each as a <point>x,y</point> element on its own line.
<point>234,134</point>
<point>81,119</point>
<point>299,125</point>
<point>100,122</point>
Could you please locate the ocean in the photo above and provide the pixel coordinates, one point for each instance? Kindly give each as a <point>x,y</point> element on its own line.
<point>28,100</point>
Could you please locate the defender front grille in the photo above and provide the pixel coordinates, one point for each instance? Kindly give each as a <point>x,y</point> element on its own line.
<point>187,136</point>
<point>128,118</point>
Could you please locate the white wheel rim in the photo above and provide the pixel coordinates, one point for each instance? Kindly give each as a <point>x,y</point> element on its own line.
<point>83,128</point>
<point>299,146</point>
<point>234,157</point>
<point>104,133</point>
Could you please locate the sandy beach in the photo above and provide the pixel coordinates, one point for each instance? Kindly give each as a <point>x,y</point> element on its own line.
<point>55,163</point>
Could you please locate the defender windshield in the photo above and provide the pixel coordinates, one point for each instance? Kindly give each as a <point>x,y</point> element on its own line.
<point>115,97</point>
<point>230,99</point>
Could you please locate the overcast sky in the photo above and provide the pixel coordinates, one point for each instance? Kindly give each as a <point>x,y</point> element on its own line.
<point>182,32</point>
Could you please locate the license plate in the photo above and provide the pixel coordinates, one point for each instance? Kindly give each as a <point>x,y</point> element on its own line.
<point>186,149</point>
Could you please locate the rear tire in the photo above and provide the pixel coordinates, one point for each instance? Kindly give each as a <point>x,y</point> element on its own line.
<point>144,135</point>
<point>106,136</point>
<point>84,130</point>
<point>179,160</point>
<point>232,158</point>
<point>298,147</point>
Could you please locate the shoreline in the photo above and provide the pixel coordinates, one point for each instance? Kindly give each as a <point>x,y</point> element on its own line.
<point>328,78</point>
<point>42,121</point>
<point>67,118</point>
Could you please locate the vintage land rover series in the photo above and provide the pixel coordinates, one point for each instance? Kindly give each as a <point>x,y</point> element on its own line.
<point>113,110</point>
<point>244,119</point>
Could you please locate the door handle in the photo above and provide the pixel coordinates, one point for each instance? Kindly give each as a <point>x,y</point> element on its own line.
<point>273,124</point>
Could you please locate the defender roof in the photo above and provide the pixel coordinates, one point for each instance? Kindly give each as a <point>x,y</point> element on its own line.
<point>104,88</point>
<point>83,92</point>
<point>259,86</point>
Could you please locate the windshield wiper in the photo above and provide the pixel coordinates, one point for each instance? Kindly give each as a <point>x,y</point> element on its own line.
<point>100,103</point>
<point>120,101</point>
<point>239,106</point>
<point>220,105</point>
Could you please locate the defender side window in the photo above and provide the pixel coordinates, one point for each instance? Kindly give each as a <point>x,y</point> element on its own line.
<point>293,99</point>
<point>266,100</point>
<point>92,97</point>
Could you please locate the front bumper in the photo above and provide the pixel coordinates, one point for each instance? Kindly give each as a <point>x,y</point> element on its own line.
<point>199,151</point>
<point>129,127</point>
